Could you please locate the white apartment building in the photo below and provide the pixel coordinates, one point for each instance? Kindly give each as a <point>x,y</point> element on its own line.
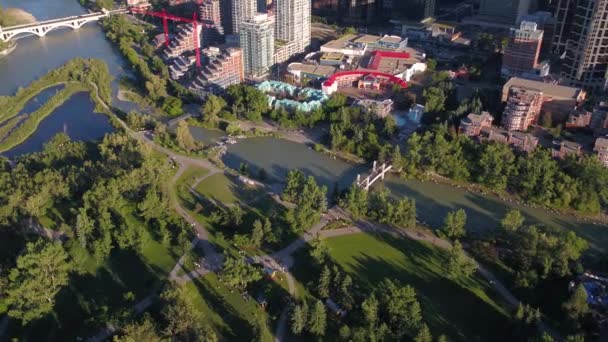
<point>292,27</point>
<point>242,10</point>
<point>257,42</point>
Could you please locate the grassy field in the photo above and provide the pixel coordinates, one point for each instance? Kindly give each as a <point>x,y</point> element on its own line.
<point>191,174</point>
<point>466,310</point>
<point>233,317</point>
<point>221,188</point>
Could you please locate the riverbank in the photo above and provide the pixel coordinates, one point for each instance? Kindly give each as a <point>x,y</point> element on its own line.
<point>8,50</point>
<point>599,219</point>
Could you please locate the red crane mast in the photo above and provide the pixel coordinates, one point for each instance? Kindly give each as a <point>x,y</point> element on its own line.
<point>166,17</point>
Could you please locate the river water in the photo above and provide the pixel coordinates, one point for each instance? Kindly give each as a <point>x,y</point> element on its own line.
<point>35,56</point>
<point>433,201</point>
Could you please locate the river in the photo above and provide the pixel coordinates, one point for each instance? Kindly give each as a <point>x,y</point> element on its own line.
<point>35,56</point>
<point>433,201</point>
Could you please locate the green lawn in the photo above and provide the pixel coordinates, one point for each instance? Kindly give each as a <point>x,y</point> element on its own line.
<point>222,188</point>
<point>232,317</point>
<point>191,174</point>
<point>467,310</point>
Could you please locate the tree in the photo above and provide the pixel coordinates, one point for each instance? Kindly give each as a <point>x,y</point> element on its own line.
<point>403,213</point>
<point>318,319</point>
<point>576,306</point>
<point>400,306</point>
<point>172,106</point>
<point>41,272</point>
<point>184,137</point>
<point>324,282</point>
<point>356,201</point>
<point>435,100</point>
<point>512,221</point>
<point>212,108</point>
<point>350,30</point>
<point>424,335</point>
<point>145,330</point>
<point>183,321</point>
<point>496,165</point>
<point>453,226</point>
<point>238,273</point>
<point>431,64</point>
<point>458,264</point>
<point>370,310</point>
<point>390,125</point>
<point>298,318</point>
<point>257,234</point>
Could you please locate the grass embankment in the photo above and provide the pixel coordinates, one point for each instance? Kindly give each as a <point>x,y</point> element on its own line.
<point>465,309</point>
<point>77,75</point>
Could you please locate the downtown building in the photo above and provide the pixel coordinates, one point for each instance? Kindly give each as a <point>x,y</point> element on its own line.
<point>222,68</point>
<point>185,41</point>
<point>257,42</point>
<point>581,36</point>
<point>241,11</point>
<point>522,109</point>
<point>292,28</point>
<point>521,54</point>
<point>211,18</point>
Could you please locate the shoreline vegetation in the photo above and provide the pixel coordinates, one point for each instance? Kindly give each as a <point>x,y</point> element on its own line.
<point>12,17</point>
<point>77,75</point>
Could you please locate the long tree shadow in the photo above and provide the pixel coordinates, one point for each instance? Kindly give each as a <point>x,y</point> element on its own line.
<point>453,308</point>
<point>236,328</point>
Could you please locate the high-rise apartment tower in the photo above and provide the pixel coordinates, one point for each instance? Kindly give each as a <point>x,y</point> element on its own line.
<point>586,44</point>
<point>257,42</point>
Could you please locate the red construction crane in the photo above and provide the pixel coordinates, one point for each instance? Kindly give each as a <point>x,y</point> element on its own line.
<point>166,16</point>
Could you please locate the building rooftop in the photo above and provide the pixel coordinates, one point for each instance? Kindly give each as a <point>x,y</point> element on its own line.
<point>394,62</point>
<point>321,70</point>
<point>332,56</point>
<point>478,118</point>
<point>391,39</point>
<point>550,90</point>
<point>601,144</point>
<point>367,39</point>
<point>342,42</point>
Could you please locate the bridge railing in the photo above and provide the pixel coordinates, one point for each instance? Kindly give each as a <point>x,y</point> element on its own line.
<point>53,21</point>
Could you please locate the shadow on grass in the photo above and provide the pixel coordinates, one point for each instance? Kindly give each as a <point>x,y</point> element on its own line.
<point>454,308</point>
<point>236,328</point>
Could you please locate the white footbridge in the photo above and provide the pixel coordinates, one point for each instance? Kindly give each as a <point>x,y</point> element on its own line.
<point>377,173</point>
<point>41,28</point>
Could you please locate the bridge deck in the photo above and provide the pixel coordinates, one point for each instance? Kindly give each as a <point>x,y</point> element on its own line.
<point>61,20</point>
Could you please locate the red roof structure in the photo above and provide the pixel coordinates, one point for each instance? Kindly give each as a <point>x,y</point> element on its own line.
<point>395,80</point>
<point>377,57</point>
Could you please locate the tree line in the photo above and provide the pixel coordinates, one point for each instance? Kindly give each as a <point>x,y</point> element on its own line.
<point>576,182</point>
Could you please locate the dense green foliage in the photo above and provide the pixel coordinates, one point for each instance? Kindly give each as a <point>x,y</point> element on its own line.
<point>310,200</point>
<point>40,274</point>
<point>378,206</point>
<point>537,178</point>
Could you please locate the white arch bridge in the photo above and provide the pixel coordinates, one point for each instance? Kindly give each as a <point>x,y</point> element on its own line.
<point>377,173</point>
<point>41,28</point>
